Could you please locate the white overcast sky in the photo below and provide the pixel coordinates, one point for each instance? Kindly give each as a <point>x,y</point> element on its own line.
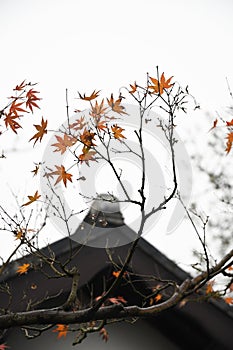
<point>87,45</point>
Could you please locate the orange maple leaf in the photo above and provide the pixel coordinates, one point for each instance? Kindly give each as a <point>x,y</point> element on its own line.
<point>98,110</point>
<point>101,125</point>
<point>32,199</point>
<point>41,131</point>
<point>133,88</point>
<point>229,142</point>
<point>62,330</point>
<point>62,175</point>
<point>87,138</point>
<point>87,155</point>
<point>10,120</point>
<point>209,287</point>
<point>229,300</point>
<point>64,143</point>
<point>79,124</point>
<point>214,124</point>
<point>117,132</point>
<point>116,105</point>
<point>158,297</point>
<point>117,273</point>
<point>230,123</point>
<point>155,299</point>
<point>20,234</point>
<point>159,86</point>
<point>23,269</point>
<point>94,95</point>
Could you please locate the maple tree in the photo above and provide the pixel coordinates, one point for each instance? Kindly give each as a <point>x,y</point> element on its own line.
<point>90,139</point>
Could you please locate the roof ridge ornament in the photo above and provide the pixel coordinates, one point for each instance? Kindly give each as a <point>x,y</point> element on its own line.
<point>105,211</point>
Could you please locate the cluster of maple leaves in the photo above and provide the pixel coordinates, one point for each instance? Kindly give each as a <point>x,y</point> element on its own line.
<point>23,101</point>
<point>101,124</point>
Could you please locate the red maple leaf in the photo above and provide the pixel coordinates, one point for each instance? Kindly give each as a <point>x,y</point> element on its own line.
<point>230,123</point>
<point>11,122</point>
<point>214,124</point>
<point>15,108</point>
<point>21,86</point>
<point>31,99</point>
